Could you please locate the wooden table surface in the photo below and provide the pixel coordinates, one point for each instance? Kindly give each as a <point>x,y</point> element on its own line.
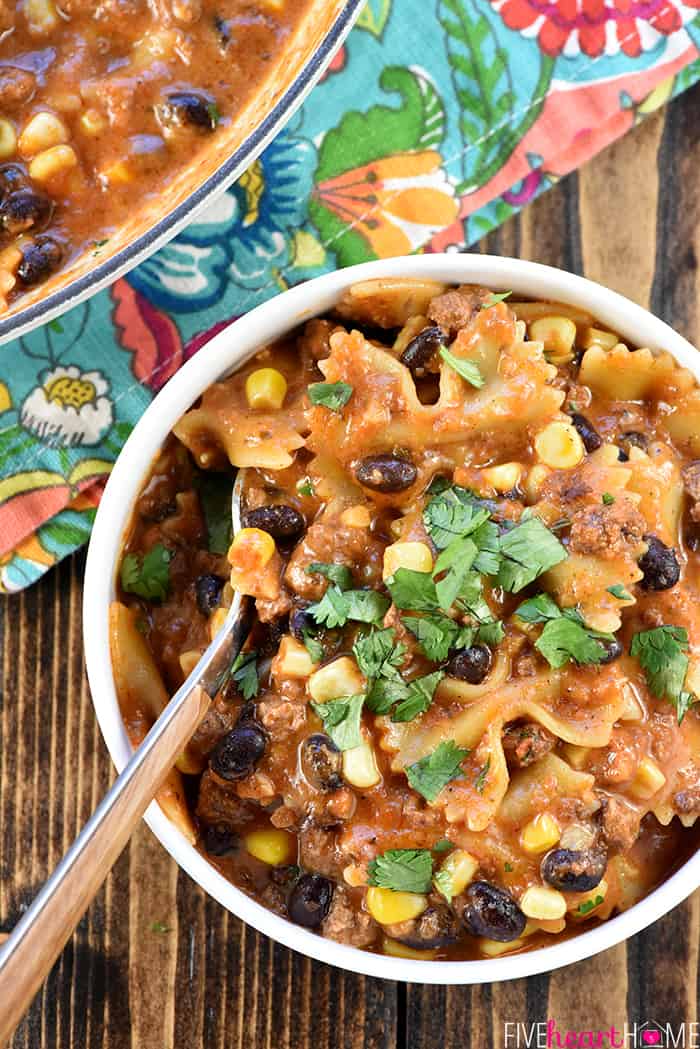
<point>155,963</point>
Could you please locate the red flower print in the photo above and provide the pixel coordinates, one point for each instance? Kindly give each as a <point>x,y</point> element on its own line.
<point>596,27</point>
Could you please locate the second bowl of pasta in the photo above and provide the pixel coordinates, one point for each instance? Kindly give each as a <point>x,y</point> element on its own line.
<point>461,742</point>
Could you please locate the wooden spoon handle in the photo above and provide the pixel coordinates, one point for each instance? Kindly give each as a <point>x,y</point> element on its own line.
<point>40,935</point>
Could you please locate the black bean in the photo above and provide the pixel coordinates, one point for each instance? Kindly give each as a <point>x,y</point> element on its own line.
<point>492,912</point>
<point>208,591</point>
<point>310,900</point>
<point>613,650</point>
<point>422,349</point>
<point>24,210</point>
<point>190,108</point>
<point>590,437</point>
<point>659,564</point>
<point>39,260</point>
<point>236,755</point>
<point>471,664</point>
<point>386,473</point>
<point>574,870</point>
<point>12,177</point>
<point>220,840</point>
<point>301,620</point>
<point>438,926</point>
<point>321,762</point>
<point>279,520</point>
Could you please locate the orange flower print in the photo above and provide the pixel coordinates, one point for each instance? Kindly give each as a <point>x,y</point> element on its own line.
<point>396,203</point>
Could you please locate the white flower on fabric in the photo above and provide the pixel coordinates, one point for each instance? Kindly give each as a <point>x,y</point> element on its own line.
<point>69,409</point>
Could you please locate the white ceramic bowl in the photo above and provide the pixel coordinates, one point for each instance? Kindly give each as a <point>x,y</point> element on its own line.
<point>224,354</point>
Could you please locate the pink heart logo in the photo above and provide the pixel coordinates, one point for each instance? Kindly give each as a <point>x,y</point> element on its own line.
<point>651,1037</point>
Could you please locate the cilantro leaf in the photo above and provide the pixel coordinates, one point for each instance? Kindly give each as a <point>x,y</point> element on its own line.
<point>403,870</point>
<point>471,599</point>
<point>619,592</point>
<point>608,499</point>
<point>451,586</point>
<point>332,395</point>
<point>338,574</point>
<point>488,558</point>
<point>378,653</point>
<point>147,575</point>
<point>468,370</point>
<point>453,514</point>
<point>384,692</point>
<point>313,646</point>
<point>495,298</point>
<point>433,772</point>
<point>419,696</point>
<point>306,487</point>
<point>538,609</point>
<point>337,606</point>
<point>244,671</point>
<point>588,905</point>
<point>341,719</point>
<point>564,639</point>
<point>414,591</point>
<point>662,655</point>
<point>528,550</point>
<point>437,635</point>
<point>460,550</point>
<point>215,499</point>
<point>444,845</point>
<point>491,633</point>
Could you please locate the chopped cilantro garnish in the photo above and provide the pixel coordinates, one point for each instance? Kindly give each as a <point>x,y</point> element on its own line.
<point>453,514</point>
<point>538,609</point>
<point>564,639</point>
<point>419,696</point>
<point>384,692</point>
<point>215,499</point>
<point>160,927</point>
<point>332,395</point>
<point>452,584</point>
<point>588,905</point>
<point>337,606</point>
<point>662,655</point>
<point>468,370</point>
<point>147,575</point>
<point>313,646</point>
<point>608,499</point>
<point>341,719</point>
<point>491,633</point>
<point>433,772</point>
<point>414,591</point>
<point>480,782</point>
<point>214,114</point>
<point>338,574</point>
<point>244,671</point>
<point>403,870</point>
<point>306,487</point>
<point>437,635</point>
<point>619,592</point>
<point>528,550</point>
<point>495,298</point>
<point>508,867</point>
<point>378,653</point>
<point>444,845</point>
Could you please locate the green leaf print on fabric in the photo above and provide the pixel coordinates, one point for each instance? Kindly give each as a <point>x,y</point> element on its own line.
<point>375,17</point>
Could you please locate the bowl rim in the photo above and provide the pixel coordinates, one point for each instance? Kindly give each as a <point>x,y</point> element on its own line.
<point>161,232</point>
<point>226,352</point>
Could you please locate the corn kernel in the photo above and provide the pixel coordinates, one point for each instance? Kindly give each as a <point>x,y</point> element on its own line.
<point>251,550</point>
<point>558,335</point>
<point>42,132</point>
<point>119,174</point>
<point>396,949</point>
<point>8,139</point>
<point>52,163</point>
<point>342,677</point>
<point>459,867</point>
<point>93,123</point>
<point>543,903</point>
<point>597,337</point>
<point>535,479</point>
<point>41,16</point>
<point>596,897</point>
<point>417,557</point>
<point>356,517</point>
<point>388,907</point>
<point>504,478</point>
<point>540,834</point>
<point>274,847</point>
<point>648,779</point>
<point>560,446</point>
<point>292,659</point>
<point>265,389</point>
<point>494,949</point>
<point>360,766</point>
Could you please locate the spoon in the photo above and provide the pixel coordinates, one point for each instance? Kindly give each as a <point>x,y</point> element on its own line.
<point>41,933</point>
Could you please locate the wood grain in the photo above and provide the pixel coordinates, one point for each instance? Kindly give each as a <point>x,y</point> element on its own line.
<point>631,219</point>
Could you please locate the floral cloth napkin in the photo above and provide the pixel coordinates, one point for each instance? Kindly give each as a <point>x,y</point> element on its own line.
<point>437,121</point>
